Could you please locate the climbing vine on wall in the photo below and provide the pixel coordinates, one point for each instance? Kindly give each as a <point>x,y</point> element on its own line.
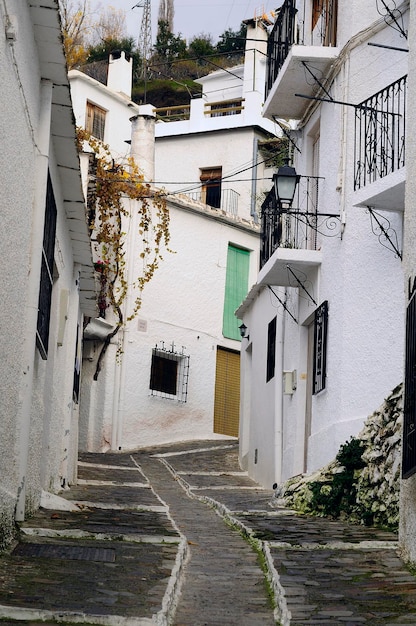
<point>110,186</point>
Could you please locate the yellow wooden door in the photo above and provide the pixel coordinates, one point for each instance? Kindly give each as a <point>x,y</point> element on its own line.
<point>227,393</point>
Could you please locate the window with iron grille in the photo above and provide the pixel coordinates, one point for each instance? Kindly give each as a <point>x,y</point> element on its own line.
<point>95,121</point>
<point>320,347</point>
<point>169,372</point>
<point>271,349</point>
<point>409,413</point>
<point>46,274</point>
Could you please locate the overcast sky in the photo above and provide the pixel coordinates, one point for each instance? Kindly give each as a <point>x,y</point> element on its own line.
<point>193,17</point>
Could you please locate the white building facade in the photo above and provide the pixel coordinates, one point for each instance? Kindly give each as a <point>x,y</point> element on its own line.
<point>407,529</point>
<point>324,318</point>
<point>177,375</point>
<point>48,279</point>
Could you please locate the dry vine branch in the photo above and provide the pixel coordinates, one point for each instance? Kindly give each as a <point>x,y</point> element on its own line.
<point>109,185</point>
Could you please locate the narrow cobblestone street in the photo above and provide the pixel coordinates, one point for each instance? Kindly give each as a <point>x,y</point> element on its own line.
<point>173,536</point>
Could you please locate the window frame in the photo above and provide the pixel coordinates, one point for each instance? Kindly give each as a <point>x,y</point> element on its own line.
<point>320,347</point>
<point>95,120</point>
<point>271,349</point>
<point>179,371</point>
<point>47,272</point>
<point>211,189</point>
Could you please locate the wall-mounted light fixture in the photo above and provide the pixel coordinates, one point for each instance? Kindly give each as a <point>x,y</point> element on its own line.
<point>285,182</point>
<point>243,331</point>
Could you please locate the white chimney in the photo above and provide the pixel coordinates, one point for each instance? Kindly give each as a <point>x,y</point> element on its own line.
<point>143,141</point>
<point>120,72</point>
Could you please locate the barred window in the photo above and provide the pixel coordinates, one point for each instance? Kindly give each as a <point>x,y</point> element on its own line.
<point>95,121</point>
<point>46,275</point>
<point>169,372</point>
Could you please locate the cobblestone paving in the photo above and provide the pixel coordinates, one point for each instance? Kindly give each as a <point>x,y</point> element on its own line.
<point>147,527</point>
<point>326,573</point>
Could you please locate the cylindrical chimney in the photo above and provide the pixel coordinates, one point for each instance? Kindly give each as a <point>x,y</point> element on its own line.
<point>143,141</point>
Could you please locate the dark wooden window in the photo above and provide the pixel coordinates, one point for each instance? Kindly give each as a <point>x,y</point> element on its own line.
<point>409,421</point>
<point>95,120</point>
<point>211,186</point>
<point>320,347</point>
<point>271,349</point>
<point>46,276</point>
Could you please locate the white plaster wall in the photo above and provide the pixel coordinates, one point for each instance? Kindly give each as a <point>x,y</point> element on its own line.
<point>407,530</point>
<point>183,304</point>
<point>179,160</point>
<point>361,279</point>
<point>258,441</point>
<point>17,197</point>
<point>119,108</point>
<point>52,428</point>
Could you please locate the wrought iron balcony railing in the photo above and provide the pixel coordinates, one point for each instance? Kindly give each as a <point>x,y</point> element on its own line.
<point>280,41</point>
<point>380,131</point>
<point>288,30</point>
<point>294,227</point>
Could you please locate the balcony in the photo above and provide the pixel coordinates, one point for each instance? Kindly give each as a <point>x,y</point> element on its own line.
<point>173,114</point>
<point>296,57</point>
<point>289,236</point>
<point>226,200</point>
<point>379,149</point>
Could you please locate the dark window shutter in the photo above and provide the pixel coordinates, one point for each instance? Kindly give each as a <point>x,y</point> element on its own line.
<point>409,417</point>
<point>46,275</point>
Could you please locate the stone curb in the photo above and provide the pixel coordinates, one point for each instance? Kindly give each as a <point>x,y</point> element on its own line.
<point>172,593</point>
<point>282,615</point>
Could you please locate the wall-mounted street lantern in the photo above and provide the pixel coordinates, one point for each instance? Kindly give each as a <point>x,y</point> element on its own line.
<point>243,330</point>
<point>285,182</point>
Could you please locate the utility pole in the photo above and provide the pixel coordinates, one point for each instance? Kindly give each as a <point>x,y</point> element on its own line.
<point>145,39</point>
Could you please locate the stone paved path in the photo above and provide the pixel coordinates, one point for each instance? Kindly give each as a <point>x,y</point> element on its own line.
<point>223,582</point>
<point>148,525</point>
<point>326,573</point>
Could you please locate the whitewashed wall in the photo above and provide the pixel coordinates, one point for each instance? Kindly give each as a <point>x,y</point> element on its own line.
<point>38,425</point>
<point>361,279</point>
<point>407,531</point>
<point>182,304</point>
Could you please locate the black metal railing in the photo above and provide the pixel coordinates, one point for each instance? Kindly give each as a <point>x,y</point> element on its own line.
<point>380,131</point>
<point>280,41</point>
<point>287,31</point>
<point>294,228</point>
